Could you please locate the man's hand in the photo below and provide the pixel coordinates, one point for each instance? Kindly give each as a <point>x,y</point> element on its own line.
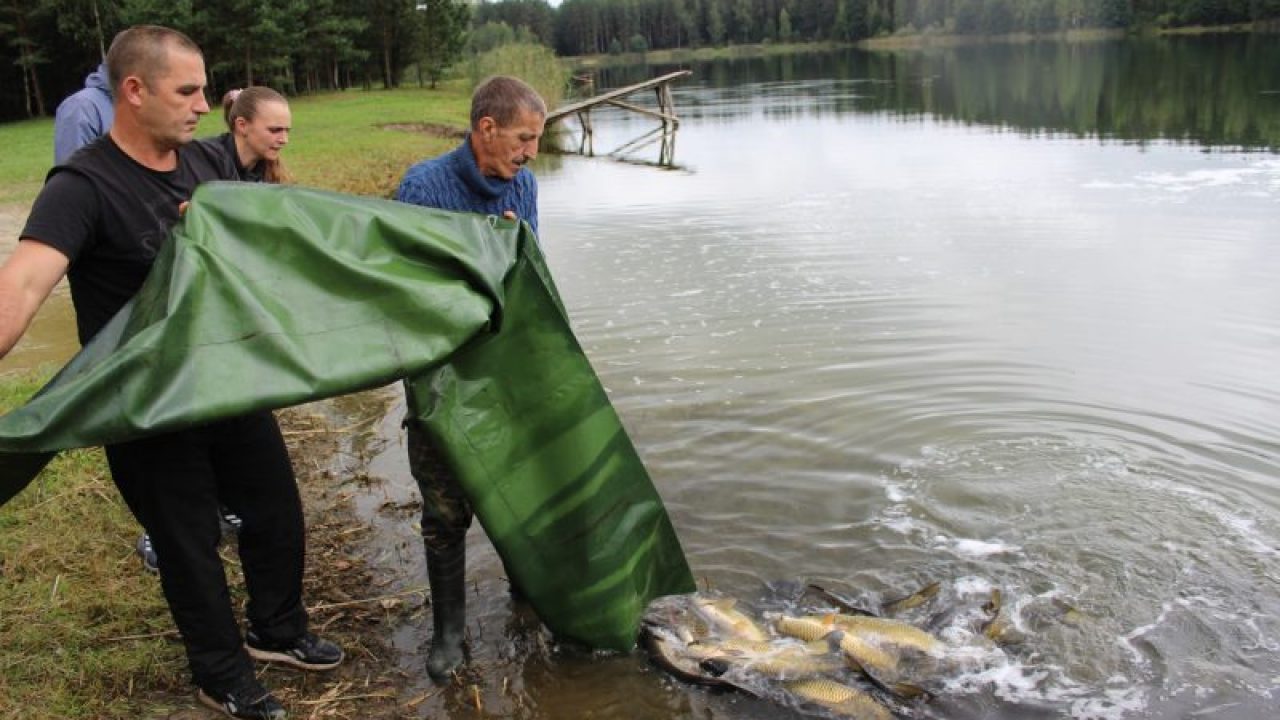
<point>509,214</point>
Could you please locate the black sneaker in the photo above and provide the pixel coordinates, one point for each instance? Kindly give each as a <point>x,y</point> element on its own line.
<point>306,652</point>
<point>147,553</point>
<point>247,699</point>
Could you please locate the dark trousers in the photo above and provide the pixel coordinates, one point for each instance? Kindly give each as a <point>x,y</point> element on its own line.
<point>174,483</point>
<point>446,512</point>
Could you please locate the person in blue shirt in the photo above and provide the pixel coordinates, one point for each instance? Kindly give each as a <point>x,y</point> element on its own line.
<point>486,174</point>
<point>83,116</point>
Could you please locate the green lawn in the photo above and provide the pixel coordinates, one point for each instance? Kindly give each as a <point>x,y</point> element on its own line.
<point>337,143</point>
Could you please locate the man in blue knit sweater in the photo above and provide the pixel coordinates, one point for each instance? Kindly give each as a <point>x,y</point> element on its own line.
<point>485,174</point>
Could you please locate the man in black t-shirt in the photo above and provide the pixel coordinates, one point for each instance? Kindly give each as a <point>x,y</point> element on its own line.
<point>100,220</point>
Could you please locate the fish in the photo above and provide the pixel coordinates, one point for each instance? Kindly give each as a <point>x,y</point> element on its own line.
<point>893,654</point>
<point>1000,629</point>
<point>912,601</point>
<point>1069,614</point>
<point>883,631</point>
<point>709,641</point>
<point>803,628</point>
<point>722,614</point>
<point>886,631</point>
<point>845,701</point>
<point>836,600</point>
<point>779,661</point>
<point>903,676</point>
<point>666,651</point>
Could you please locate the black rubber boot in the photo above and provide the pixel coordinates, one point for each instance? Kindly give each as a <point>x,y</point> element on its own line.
<point>446,571</point>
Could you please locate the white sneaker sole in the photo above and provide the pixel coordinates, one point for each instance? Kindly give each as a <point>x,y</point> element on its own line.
<point>284,658</point>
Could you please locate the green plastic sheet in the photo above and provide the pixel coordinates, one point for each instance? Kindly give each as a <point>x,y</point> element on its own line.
<point>270,296</point>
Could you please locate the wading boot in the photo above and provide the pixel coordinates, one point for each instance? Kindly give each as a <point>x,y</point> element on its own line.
<point>446,571</point>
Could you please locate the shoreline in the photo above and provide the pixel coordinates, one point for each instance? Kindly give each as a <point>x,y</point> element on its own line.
<point>902,41</point>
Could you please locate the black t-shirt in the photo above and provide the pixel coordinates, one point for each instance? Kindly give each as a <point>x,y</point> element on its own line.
<point>110,216</point>
<point>226,142</point>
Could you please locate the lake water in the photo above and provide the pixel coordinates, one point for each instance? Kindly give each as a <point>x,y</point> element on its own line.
<point>1002,317</point>
<point>999,317</point>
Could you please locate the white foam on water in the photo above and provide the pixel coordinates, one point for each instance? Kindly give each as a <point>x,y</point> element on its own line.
<point>973,585</point>
<point>1247,530</point>
<point>1108,185</point>
<point>1197,179</point>
<point>1126,640</point>
<point>1263,174</point>
<point>983,548</point>
<point>902,524</point>
<point>1008,680</point>
<point>1115,703</point>
<point>895,493</point>
<point>1044,684</point>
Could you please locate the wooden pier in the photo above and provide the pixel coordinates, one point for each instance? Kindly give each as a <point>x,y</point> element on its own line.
<point>666,111</point>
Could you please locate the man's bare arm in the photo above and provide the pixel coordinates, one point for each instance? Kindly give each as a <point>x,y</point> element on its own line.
<point>26,279</point>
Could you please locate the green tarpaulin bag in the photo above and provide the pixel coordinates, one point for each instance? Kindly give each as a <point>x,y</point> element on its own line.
<point>270,296</point>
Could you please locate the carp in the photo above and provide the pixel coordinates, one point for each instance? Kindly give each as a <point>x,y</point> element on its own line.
<point>881,631</point>
<point>912,601</point>
<point>843,700</point>
<point>894,655</point>
<point>782,661</point>
<point>1000,629</point>
<point>667,652</point>
<point>722,614</point>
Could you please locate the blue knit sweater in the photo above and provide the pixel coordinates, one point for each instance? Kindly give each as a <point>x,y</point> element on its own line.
<point>453,181</point>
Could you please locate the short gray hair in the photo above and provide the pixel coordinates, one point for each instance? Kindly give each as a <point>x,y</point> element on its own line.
<point>502,97</point>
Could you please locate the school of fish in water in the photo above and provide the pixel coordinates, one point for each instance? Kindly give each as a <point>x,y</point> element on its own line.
<point>827,657</point>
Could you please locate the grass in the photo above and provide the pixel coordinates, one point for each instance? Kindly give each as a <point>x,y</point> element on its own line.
<point>72,596</point>
<point>338,141</point>
<point>86,633</point>
<point>28,153</point>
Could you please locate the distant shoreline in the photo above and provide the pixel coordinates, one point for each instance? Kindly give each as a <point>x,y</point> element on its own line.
<point>902,41</point>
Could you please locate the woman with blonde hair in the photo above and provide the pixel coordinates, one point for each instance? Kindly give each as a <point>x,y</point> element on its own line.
<point>258,124</point>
